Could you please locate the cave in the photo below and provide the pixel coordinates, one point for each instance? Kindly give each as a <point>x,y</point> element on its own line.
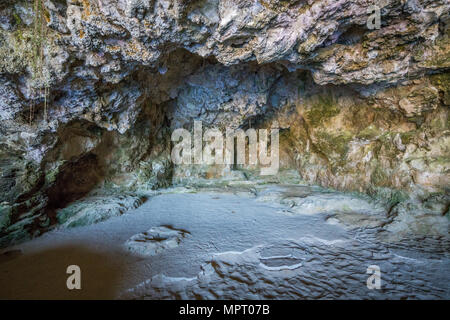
<point>224,150</point>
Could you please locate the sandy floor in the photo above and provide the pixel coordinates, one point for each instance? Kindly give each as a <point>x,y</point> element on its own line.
<point>220,245</point>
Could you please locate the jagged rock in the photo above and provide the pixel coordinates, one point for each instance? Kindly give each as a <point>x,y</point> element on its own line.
<point>360,109</point>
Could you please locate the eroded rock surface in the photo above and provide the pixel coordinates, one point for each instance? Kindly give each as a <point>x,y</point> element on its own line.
<point>307,268</point>
<point>155,240</point>
<point>359,109</point>
<point>237,248</point>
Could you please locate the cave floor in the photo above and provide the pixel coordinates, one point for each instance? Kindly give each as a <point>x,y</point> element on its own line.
<point>213,244</point>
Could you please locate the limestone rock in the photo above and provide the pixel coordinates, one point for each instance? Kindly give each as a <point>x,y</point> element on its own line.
<point>155,240</point>
<point>359,109</point>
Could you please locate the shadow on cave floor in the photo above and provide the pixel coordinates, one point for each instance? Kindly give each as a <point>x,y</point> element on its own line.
<point>21,275</point>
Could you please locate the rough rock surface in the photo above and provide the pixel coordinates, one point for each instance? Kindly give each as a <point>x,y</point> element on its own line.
<point>359,109</point>
<point>295,269</point>
<point>155,240</point>
<point>238,247</point>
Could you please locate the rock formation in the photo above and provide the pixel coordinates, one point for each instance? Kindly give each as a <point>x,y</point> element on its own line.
<point>90,95</point>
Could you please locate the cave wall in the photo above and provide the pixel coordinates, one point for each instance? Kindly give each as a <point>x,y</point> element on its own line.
<point>358,109</point>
